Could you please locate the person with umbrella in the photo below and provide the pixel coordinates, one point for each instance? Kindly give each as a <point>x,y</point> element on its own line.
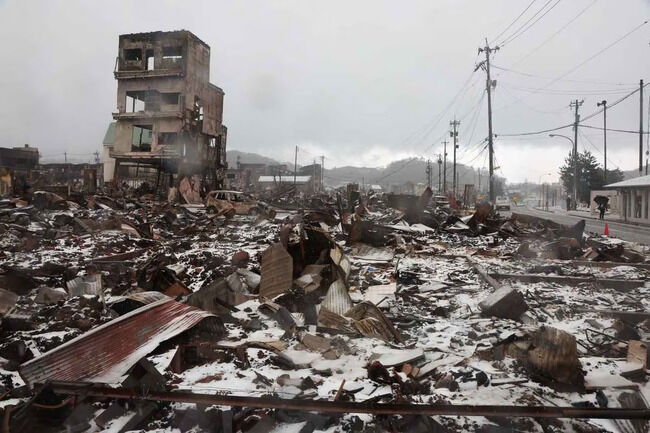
<point>602,202</point>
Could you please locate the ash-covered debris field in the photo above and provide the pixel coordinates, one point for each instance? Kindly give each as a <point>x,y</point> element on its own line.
<point>327,313</point>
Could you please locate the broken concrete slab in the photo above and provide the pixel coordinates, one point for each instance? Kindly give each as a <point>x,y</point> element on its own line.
<point>506,303</point>
<point>50,295</point>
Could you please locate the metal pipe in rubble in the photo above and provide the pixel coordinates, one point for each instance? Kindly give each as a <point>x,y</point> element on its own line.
<point>98,390</point>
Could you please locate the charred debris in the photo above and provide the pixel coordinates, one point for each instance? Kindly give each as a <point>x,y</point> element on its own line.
<point>123,311</point>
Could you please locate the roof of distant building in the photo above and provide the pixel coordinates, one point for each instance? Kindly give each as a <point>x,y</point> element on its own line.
<point>284,179</point>
<point>631,183</point>
<point>109,137</point>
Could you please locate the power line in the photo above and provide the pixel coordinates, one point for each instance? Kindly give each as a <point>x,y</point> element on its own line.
<point>626,131</point>
<point>410,160</point>
<point>515,36</point>
<point>514,21</point>
<point>527,74</point>
<point>583,119</point>
<point>555,34</point>
<point>518,99</point>
<point>593,56</point>
<point>565,92</point>
<point>596,148</point>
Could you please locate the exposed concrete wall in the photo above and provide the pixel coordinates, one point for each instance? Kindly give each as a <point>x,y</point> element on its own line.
<point>196,118</point>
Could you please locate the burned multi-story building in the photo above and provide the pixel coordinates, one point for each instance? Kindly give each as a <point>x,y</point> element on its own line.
<point>169,115</point>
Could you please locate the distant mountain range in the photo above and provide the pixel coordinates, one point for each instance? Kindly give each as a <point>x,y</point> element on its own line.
<point>396,173</point>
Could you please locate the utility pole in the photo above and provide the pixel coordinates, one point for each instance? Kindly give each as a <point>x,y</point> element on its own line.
<point>640,127</point>
<point>444,170</point>
<point>439,171</point>
<point>488,85</point>
<point>647,140</point>
<point>428,172</point>
<point>575,104</point>
<point>454,135</point>
<point>65,157</point>
<point>322,172</point>
<point>479,180</point>
<point>604,105</point>
<point>295,167</point>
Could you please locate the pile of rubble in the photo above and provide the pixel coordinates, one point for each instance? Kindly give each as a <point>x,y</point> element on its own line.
<point>330,314</point>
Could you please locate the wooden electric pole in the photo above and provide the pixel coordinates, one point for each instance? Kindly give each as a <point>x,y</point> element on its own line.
<point>604,105</point>
<point>439,172</point>
<point>454,134</point>
<point>640,127</point>
<point>488,86</point>
<point>295,167</point>
<point>575,104</point>
<point>444,170</point>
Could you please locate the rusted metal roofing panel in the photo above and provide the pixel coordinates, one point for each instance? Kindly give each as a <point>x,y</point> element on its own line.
<point>106,353</point>
<point>277,271</point>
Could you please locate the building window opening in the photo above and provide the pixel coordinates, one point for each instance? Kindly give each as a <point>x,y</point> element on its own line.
<point>173,54</point>
<point>132,54</point>
<point>169,98</point>
<point>135,101</point>
<point>150,60</point>
<point>141,138</point>
<point>166,138</point>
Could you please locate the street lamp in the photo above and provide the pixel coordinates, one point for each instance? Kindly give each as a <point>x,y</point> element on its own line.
<point>575,168</point>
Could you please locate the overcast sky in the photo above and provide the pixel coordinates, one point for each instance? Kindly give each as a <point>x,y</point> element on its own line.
<point>361,82</point>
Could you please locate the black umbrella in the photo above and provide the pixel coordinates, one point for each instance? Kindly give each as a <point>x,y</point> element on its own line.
<point>601,200</point>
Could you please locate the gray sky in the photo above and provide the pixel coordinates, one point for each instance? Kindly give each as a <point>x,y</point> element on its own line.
<point>361,82</point>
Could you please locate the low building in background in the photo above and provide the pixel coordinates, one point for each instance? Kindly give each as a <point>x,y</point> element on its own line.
<point>632,199</point>
<point>16,164</point>
<point>302,183</point>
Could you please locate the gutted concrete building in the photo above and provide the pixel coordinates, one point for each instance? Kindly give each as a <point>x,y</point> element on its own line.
<point>169,115</point>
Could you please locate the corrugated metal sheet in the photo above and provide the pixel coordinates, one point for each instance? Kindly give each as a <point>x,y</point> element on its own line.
<point>87,285</point>
<point>337,300</point>
<point>341,260</point>
<point>106,353</point>
<point>277,271</point>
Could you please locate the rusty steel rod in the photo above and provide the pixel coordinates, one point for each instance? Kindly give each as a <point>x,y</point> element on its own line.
<point>99,390</point>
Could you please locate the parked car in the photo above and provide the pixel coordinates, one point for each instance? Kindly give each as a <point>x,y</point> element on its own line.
<point>502,203</point>
<point>222,201</point>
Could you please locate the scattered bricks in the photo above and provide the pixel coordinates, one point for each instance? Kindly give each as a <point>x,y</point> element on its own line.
<point>505,302</point>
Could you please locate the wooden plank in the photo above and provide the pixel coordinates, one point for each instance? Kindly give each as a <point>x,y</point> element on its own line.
<point>628,316</point>
<point>618,284</point>
<point>483,274</point>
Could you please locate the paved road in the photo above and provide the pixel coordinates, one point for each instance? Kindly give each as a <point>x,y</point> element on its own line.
<point>626,232</point>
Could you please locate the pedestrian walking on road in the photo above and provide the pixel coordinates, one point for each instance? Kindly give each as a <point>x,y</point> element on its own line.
<point>568,203</point>
<point>602,208</point>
